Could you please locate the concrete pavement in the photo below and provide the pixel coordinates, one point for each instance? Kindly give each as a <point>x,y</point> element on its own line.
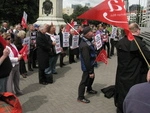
<point>61,96</point>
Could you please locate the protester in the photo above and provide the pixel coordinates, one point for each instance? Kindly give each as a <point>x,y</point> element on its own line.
<point>31,33</point>
<point>5,66</point>
<point>43,50</point>
<point>19,44</point>
<point>53,56</point>
<point>132,68</point>
<point>64,49</point>
<point>87,54</point>
<point>72,51</point>
<point>137,99</point>
<point>4,27</point>
<point>14,76</point>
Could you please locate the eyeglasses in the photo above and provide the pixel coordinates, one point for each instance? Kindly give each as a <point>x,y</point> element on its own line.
<point>7,38</point>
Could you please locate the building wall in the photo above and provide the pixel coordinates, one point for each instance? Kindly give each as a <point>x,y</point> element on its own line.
<point>68,10</point>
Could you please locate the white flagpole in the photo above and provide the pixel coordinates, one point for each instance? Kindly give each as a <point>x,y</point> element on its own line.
<point>73,28</point>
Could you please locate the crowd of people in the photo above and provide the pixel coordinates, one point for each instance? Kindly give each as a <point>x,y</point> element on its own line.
<point>42,42</point>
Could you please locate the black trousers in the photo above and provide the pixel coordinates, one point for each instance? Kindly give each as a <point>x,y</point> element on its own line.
<point>42,76</point>
<point>112,46</point>
<point>85,81</point>
<point>106,44</point>
<point>22,67</point>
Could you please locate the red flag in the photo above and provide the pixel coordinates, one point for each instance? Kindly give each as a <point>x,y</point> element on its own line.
<point>109,11</point>
<point>102,56</point>
<point>24,20</point>
<point>24,52</point>
<point>85,22</point>
<point>69,26</point>
<point>2,41</point>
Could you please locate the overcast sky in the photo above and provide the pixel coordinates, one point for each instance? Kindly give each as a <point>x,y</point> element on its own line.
<point>96,2</point>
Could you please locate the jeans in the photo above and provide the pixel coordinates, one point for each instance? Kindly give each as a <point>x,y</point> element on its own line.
<point>52,65</point>
<point>3,82</point>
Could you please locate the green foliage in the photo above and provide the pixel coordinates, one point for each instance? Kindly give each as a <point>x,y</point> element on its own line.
<point>12,10</point>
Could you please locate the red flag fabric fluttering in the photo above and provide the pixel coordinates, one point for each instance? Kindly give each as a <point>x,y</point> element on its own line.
<point>24,52</point>
<point>109,11</point>
<point>85,22</point>
<point>2,41</point>
<point>68,26</point>
<point>102,57</point>
<point>24,20</point>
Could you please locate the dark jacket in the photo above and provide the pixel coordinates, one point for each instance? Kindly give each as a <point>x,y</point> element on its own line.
<point>44,45</point>
<point>6,66</point>
<point>131,69</point>
<point>88,55</point>
<point>137,100</point>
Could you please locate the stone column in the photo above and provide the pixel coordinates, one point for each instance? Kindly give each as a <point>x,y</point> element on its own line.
<point>50,11</point>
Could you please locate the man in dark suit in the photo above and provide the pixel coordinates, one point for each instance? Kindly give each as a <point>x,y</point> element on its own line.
<point>43,49</point>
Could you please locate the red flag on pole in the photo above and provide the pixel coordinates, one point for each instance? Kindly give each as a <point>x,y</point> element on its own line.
<point>24,20</point>
<point>24,52</point>
<point>102,56</point>
<point>69,26</point>
<point>3,42</point>
<point>109,11</point>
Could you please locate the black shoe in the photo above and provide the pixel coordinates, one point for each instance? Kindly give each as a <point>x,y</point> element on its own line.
<point>92,92</point>
<point>30,69</point>
<point>35,66</point>
<point>55,73</point>
<point>44,83</point>
<point>63,64</point>
<point>84,100</point>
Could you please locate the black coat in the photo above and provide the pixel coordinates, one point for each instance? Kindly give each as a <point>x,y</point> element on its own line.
<point>6,66</point>
<point>44,45</point>
<point>132,68</point>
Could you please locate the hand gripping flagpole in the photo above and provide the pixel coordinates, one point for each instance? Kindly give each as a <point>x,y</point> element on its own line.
<point>73,28</point>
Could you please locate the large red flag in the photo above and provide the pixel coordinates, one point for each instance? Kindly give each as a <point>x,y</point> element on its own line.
<point>24,52</point>
<point>3,42</point>
<point>24,20</point>
<point>109,11</point>
<point>102,56</point>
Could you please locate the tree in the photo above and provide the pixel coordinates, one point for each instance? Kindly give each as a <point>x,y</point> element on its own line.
<point>12,10</point>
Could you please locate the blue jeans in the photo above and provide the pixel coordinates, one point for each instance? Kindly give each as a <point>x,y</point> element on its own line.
<point>3,82</point>
<point>52,65</point>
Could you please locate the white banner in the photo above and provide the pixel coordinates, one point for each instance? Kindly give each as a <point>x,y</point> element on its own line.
<point>75,42</point>
<point>98,41</point>
<point>65,39</point>
<point>57,46</point>
<point>114,32</point>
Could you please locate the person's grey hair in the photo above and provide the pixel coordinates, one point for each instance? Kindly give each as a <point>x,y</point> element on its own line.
<point>42,27</point>
<point>21,34</point>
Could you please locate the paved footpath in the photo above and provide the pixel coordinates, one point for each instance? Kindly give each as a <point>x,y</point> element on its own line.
<point>61,96</point>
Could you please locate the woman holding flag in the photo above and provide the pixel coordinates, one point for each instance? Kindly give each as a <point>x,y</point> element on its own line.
<point>5,65</point>
<point>14,76</point>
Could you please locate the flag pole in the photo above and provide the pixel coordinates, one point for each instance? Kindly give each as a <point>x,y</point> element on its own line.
<point>142,53</point>
<point>73,28</point>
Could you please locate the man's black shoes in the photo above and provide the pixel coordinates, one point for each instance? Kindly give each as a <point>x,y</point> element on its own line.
<point>92,92</point>
<point>84,100</point>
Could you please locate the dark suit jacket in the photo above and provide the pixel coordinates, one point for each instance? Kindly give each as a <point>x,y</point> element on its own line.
<point>44,45</point>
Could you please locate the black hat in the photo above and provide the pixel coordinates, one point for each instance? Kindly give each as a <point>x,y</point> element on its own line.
<point>86,30</point>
